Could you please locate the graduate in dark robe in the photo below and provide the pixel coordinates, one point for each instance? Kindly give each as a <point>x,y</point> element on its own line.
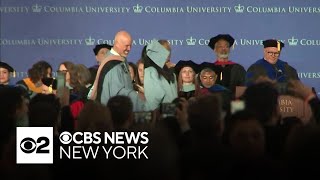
<point>208,77</point>
<point>231,74</point>
<point>186,72</point>
<point>270,65</point>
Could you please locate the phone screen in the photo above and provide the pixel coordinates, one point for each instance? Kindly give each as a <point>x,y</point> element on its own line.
<point>61,82</point>
<point>237,105</point>
<point>142,117</point>
<point>168,110</point>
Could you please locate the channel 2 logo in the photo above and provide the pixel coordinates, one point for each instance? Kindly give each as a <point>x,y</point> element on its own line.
<point>34,145</point>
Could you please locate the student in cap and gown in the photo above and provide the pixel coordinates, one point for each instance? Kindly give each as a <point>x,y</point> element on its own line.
<point>270,65</point>
<point>231,74</point>
<point>187,83</point>
<point>160,84</point>
<point>6,71</point>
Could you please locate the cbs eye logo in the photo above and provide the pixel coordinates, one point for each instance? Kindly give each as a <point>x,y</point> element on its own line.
<point>65,137</point>
<point>29,145</point>
<point>34,145</point>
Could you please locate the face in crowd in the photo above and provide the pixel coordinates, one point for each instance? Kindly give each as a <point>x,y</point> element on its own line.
<point>222,49</point>
<point>63,68</point>
<point>248,138</point>
<point>187,75</point>
<point>208,78</point>
<point>122,44</point>
<point>141,72</point>
<point>132,74</point>
<point>4,76</point>
<point>271,54</point>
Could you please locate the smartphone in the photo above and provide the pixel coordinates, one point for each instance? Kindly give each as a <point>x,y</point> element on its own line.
<point>142,117</point>
<point>61,82</point>
<point>168,109</point>
<point>237,105</point>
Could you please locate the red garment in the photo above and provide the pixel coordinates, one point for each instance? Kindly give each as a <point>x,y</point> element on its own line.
<point>204,91</point>
<point>221,63</point>
<point>75,108</point>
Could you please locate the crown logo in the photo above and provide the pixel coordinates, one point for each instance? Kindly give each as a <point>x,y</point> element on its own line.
<point>36,8</point>
<point>239,8</point>
<point>292,41</point>
<point>137,8</point>
<point>90,41</point>
<point>191,41</point>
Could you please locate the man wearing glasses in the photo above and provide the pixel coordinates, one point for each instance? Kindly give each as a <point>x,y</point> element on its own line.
<point>270,65</point>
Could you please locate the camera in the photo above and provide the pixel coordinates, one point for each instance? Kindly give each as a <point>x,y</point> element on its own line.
<point>142,117</point>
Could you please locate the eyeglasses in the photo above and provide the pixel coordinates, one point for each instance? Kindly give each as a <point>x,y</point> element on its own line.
<point>274,53</point>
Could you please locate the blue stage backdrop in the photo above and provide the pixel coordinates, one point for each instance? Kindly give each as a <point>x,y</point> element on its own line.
<point>59,30</point>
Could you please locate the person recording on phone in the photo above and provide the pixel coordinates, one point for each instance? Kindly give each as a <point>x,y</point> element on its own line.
<point>271,66</point>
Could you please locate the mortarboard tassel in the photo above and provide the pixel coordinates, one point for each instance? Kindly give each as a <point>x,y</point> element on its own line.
<point>14,74</point>
<point>233,46</point>
<point>278,45</point>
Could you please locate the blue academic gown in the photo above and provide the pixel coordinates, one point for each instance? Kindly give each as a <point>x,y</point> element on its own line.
<point>281,71</point>
<point>118,82</point>
<point>157,90</point>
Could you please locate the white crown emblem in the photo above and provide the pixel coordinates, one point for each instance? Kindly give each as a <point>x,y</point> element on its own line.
<point>191,41</point>
<point>90,41</point>
<point>239,8</point>
<point>292,41</point>
<point>137,8</point>
<point>36,8</point>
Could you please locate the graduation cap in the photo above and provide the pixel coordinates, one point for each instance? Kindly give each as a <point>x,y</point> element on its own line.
<point>215,39</point>
<point>273,43</point>
<point>189,63</point>
<point>8,67</point>
<point>215,68</point>
<point>100,46</point>
<point>157,53</point>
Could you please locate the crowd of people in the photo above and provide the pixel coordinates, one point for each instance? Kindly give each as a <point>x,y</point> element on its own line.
<point>201,139</point>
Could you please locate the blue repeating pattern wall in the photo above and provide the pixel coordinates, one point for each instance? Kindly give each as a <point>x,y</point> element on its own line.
<point>58,30</point>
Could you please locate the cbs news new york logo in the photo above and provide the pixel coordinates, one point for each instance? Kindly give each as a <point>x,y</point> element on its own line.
<point>34,145</point>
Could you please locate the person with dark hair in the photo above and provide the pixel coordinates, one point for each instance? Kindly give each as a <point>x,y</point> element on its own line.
<point>160,84</point>
<point>139,81</point>
<point>44,110</point>
<point>6,71</point>
<point>133,69</point>
<point>230,74</point>
<point>262,99</point>
<point>121,109</point>
<point>66,67</point>
<point>245,135</point>
<point>13,110</point>
<point>33,84</point>
<point>270,65</point>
